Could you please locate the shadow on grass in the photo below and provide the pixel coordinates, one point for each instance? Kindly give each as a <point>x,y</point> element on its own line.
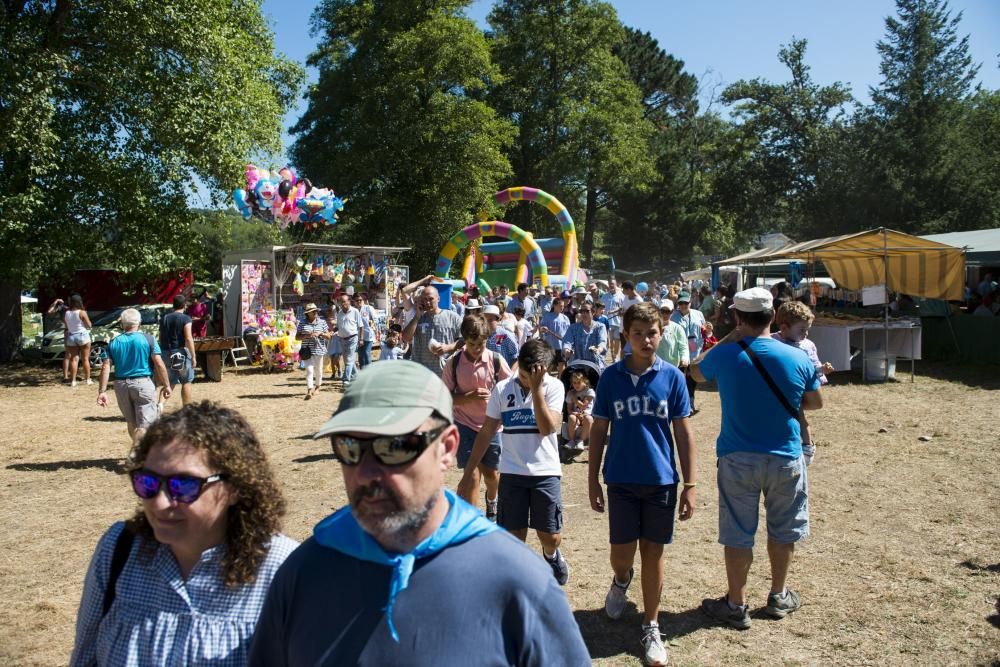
<point>107,418</point>
<point>312,458</point>
<point>266,396</point>
<point>976,567</point>
<point>29,374</point>
<point>111,465</point>
<point>606,638</point>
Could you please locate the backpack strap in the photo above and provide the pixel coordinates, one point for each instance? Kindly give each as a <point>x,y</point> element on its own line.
<point>767,378</point>
<point>454,371</point>
<point>496,368</point>
<point>123,546</point>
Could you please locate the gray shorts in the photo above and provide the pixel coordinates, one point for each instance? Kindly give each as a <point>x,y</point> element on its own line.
<point>78,339</point>
<point>742,478</point>
<point>137,401</point>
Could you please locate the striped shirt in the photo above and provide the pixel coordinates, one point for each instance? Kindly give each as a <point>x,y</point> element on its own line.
<point>160,618</point>
<point>316,327</point>
<point>443,327</point>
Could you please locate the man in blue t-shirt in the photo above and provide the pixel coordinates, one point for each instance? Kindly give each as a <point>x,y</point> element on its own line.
<point>640,398</point>
<point>409,573</point>
<point>177,348</point>
<point>763,385</point>
<point>136,357</point>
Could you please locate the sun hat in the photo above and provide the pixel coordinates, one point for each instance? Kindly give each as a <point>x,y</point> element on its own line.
<point>473,304</point>
<point>684,297</point>
<point>580,289</point>
<point>491,310</point>
<point>310,307</point>
<point>389,399</point>
<point>753,300</point>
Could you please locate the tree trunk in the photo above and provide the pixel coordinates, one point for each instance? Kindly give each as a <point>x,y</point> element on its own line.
<point>589,222</point>
<point>10,320</point>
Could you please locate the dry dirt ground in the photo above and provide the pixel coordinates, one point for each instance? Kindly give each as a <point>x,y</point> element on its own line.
<point>903,566</point>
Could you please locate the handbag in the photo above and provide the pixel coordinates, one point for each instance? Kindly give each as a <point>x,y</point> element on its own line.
<point>305,353</point>
<point>770,382</point>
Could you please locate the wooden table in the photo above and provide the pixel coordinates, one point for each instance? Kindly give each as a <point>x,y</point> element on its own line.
<point>210,353</point>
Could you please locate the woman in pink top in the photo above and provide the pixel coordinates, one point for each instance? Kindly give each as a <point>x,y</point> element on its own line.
<point>198,312</point>
<point>471,374</point>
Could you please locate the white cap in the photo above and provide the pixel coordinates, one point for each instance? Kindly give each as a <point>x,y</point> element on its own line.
<point>491,310</point>
<point>666,303</point>
<point>349,290</point>
<point>753,300</point>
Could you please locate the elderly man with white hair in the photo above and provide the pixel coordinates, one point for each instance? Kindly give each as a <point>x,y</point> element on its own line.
<point>136,357</point>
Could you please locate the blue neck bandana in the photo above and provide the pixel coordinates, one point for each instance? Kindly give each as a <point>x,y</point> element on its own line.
<point>341,532</point>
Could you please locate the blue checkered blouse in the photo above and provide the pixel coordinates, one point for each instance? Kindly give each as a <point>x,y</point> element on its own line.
<point>159,618</point>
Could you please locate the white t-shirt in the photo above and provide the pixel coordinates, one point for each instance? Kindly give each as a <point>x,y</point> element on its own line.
<point>523,450</point>
<point>629,302</point>
<point>524,330</point>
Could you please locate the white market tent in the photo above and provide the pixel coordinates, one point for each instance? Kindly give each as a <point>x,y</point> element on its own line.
<point>982,246</point>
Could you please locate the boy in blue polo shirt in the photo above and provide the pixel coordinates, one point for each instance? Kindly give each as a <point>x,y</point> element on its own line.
<point>642,397</point>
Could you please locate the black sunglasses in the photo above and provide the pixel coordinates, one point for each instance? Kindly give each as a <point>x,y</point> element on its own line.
<point>389,450</point>
<point>182,488</point>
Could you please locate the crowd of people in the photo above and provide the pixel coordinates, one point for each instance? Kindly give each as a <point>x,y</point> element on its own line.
<point>498,384</point>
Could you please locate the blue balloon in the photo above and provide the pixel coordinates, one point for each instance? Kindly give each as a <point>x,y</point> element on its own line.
<point>642,288</point>
<point>240,197</point>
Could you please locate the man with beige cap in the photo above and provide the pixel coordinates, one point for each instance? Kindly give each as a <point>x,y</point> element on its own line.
<point>398,576</point>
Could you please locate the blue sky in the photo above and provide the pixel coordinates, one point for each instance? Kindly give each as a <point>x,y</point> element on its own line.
<point>722,41</point>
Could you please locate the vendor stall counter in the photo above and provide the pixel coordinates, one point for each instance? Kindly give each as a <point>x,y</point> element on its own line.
<point>835,340</point>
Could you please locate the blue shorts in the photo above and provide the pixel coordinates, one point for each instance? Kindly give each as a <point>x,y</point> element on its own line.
<point>641,510</point>
<point>530,502</point>
<point>742,478</point>
<point>182,376</point>
<point>77,339</point>
<point>466,438</point>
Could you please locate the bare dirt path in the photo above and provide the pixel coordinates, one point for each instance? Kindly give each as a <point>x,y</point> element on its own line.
<point>903,566</point>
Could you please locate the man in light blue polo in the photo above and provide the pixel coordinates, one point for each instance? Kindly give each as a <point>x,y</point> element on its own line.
<point>763,385</point>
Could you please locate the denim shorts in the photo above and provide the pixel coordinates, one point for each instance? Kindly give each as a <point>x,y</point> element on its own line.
<point>530,502</point>
<point>78,339</point>
<point>466,438</point>
<point>182,376</point>
<point>742,478</point>
<point>641,510</point>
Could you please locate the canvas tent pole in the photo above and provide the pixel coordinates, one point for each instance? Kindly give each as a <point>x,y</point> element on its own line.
<point>885,272</point>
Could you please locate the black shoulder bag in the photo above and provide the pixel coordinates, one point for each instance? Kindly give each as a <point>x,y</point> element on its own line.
<point>767,378</point>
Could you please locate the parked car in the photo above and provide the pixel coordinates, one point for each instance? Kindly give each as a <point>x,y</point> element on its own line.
<point>104,328</point>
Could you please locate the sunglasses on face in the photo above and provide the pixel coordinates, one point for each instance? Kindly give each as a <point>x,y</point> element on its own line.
<point>182,488</point>
<point>388,450</point>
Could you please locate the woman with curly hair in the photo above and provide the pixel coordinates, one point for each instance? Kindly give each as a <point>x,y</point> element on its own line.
<point>183,581</point>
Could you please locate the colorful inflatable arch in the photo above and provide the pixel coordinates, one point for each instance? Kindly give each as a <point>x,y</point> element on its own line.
<point>532,254</point>
<point>570,259</point>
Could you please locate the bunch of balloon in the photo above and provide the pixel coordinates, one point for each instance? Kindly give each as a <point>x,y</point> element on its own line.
<point>282,198</point>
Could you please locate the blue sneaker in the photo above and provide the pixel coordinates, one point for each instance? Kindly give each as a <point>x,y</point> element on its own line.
<point>560,568</point>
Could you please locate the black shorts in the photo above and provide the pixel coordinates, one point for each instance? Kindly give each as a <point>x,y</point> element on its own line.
<point>530,502</point>
<point>641,510</point>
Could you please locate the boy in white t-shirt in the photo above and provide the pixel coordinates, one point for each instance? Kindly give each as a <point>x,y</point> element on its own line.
<point>529,406</point>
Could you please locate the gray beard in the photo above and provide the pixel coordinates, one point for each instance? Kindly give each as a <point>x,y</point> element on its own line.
<point>397,529</point>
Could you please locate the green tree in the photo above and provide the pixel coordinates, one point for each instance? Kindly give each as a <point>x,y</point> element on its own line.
<point>581,131</point>
<point>393,122</point>
<point>111,110</point>
<point>927,78</point>
<point>789,129</point>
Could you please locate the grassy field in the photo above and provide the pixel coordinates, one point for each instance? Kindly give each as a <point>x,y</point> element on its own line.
<point>903,566</point>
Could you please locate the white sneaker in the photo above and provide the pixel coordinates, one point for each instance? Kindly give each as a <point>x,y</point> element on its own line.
<point>655,653</point>
<point>617,598</point>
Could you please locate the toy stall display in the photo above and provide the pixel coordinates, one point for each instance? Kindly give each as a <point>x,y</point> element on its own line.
<point>256,291</point>
<point>281,197</point>
<point>397,277</point>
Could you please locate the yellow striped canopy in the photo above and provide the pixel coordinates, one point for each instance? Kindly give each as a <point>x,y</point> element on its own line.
<point>915,266</point>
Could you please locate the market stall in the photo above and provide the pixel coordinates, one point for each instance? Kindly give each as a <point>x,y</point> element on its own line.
<point>873,263</point>
<point>266,289</point>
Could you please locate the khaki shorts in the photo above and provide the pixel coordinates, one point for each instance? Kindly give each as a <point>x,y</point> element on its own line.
<point>137,401</point>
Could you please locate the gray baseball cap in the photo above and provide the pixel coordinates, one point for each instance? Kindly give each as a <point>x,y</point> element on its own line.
<point>389,398</point>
